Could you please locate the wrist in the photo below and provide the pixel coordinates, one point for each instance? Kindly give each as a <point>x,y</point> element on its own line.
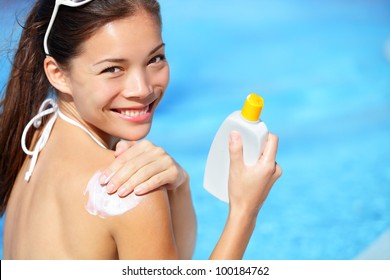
<point>243,217</point>
<point>244,209</point>
<point>238,230</point>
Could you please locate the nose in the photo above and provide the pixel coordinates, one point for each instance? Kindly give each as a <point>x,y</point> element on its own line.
<point>137,85</point>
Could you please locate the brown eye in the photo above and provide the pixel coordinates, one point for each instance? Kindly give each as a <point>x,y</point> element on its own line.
<point>112,70</point>
<point>157,59</point>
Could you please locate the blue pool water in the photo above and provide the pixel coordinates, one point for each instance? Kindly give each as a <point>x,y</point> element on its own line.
<point>323,68</point>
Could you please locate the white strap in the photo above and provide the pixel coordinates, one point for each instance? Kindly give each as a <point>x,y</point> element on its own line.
<point>71,121</point>
<point>37,121</point>
<point>49,106</point>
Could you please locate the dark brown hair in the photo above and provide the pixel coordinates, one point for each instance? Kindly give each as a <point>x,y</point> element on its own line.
<point>28,86</point>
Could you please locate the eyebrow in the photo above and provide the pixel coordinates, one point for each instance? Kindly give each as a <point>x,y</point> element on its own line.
<point>121,60</point>
<point>156,48</point>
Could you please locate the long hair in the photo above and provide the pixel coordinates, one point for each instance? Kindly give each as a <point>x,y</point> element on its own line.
<point>28,85</point>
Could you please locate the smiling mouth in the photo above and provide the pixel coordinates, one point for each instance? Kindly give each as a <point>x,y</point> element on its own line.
<point>135,112</point>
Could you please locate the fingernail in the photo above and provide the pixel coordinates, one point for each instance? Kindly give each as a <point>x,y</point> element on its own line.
<point>110,188</point>
<point>234,136</point>
<point>104,179</point>
<point>139,190</point>
<point>122,191</point>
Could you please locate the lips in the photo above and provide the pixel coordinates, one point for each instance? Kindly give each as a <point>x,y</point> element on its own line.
<point>133,112</point>
<point>136,113</point>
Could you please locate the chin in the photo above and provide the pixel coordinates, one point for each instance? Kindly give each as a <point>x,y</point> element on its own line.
<point>136,134</point>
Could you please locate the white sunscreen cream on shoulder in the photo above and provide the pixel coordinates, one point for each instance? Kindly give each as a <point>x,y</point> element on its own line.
<point>104,205</point>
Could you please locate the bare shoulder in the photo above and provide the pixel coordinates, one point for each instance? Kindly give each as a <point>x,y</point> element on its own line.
<point>145,232</point>
<point>72,153</point>
<point>93,160</point>
<point>81,162</point>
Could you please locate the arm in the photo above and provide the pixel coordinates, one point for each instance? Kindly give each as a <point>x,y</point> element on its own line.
<point>235,237</point>
<point>248,188</point>
<point>145,232</point>
<point>245,198</point>
<point>143,165</point>
<point>184,220</point>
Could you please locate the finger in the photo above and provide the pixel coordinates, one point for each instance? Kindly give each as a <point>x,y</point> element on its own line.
<point>275,176</point>
<point>153,183</point>
<point>151,176</point>
<point>235,149</point>
<point>139,177</point>
<point>123,180</point>
<point>123,146</point>
<point>119,162</point>
<point>278,172</point>
<point>270,149</point>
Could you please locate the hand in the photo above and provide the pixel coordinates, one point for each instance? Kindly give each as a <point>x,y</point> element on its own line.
<point>249,185</point>
<point>141,167</point>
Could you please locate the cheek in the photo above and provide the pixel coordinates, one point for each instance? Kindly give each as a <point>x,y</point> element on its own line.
<point>107,90</point>
<point>91,97</point>
<point>100,92</point>
<point>167,76</point>
<point>162,78</point>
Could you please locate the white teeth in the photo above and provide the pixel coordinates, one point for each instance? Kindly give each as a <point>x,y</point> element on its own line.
<point>134,113</point>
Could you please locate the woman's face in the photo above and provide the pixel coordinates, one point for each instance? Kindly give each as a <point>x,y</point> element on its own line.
<point>119,78</point>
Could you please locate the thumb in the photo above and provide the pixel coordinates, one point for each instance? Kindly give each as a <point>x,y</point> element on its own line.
<point>123,146</point>
<point>235,149</point>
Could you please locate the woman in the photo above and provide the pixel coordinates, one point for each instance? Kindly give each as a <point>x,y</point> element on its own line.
<point>104,62</point>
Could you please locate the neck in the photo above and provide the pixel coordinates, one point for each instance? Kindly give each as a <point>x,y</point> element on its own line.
<point>68,113</point>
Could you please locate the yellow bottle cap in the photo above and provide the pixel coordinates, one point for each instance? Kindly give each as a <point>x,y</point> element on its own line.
<point>252,107</point>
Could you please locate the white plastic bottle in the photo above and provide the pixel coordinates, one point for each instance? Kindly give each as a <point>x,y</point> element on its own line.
<point>253,133</point>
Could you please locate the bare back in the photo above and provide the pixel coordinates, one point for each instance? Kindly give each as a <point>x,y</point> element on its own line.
<point>46,217</point>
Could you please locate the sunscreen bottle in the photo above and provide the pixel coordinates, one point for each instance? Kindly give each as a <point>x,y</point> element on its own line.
<point>253,133</point>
